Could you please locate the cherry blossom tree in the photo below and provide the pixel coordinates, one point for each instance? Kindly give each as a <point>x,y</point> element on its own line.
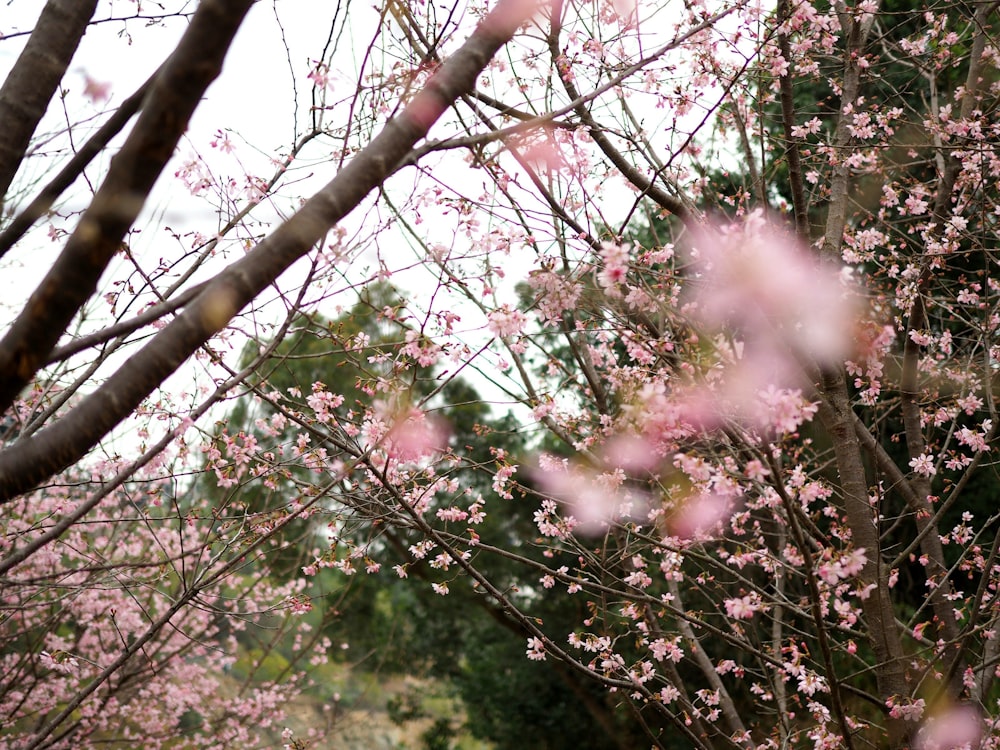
<point>729,265</point>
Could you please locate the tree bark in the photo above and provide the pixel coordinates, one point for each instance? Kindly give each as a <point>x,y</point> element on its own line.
<point>31,83</point>
<point>883,632</point>
<point>178,90</point>
<point>27,463</point>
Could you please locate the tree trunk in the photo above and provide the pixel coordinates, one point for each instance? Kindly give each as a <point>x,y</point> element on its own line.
<point>29,87</point>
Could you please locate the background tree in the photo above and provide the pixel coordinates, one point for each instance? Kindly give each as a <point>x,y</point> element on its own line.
<point>368,355</point>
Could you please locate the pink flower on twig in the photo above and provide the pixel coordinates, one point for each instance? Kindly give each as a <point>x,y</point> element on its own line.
<point>774,312</point>
<point>417,435</point>
<point>96,91</point>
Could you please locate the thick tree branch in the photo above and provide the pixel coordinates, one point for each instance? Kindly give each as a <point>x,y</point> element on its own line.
<point>839,418</point>
<point>73,168</point>
<point>974,84</point>
<point>787,122</point>
<point>73,278</point>
<point>30,85</point>
<point>856,34</point>
<point>698,654</point>
<point>940,594</point>
<point>127,326</point>
<point>29,462</point>
<point>884,635</point>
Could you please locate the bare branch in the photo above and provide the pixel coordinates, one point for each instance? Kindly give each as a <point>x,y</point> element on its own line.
<point>29,462</point>
<point>73,278</point>
<point>29,87</point>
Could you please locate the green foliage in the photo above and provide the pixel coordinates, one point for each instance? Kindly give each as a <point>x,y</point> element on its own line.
<point>439,735</point>
<point>393,626</point>
<point>260,665</point>
<point>521,705</point>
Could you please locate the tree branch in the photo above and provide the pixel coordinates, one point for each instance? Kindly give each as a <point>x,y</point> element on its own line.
<point>73,278</point>
<point>73,168</point>
<point>31,83</point>
<point>29,462</point>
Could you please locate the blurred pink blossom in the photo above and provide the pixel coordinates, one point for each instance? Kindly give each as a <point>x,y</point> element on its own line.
<point>627,11</point>
<point>96,91</point>
<point>630,452</point>
<point>513,13</point>
<point>762,283</point>
<point>540,150</point>
<point>591,499</point>
<point>699,514</point>
<point>957,728</point>
<point>416,435</point>
<point>772,308</point>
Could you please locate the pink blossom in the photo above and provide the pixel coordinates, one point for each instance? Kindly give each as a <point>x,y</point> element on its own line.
<point>974,440</point>
<point>452,514</point>
<point>556,294</point>
<point>299,606</point>
<point>811,127</point>
<point>536,649</point>
<point>742,608</point>
<point>222,142</point>
<point>811,683</point>
<point>916,205</point>
<point>614,269</point>
<point>59,661</point>
<point>322,402</point>
<point>506,322</point>
<point>970,404</point>
<point>847,566</point>
<point>853,562</point>
<point>956,728</point>
<point>639,579</point>
<point>501,480</point>
<point>320,75</point>
<point>669,694</point>
<point>907,711</point>
<point>664,649</point>
<point>923,465</point>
